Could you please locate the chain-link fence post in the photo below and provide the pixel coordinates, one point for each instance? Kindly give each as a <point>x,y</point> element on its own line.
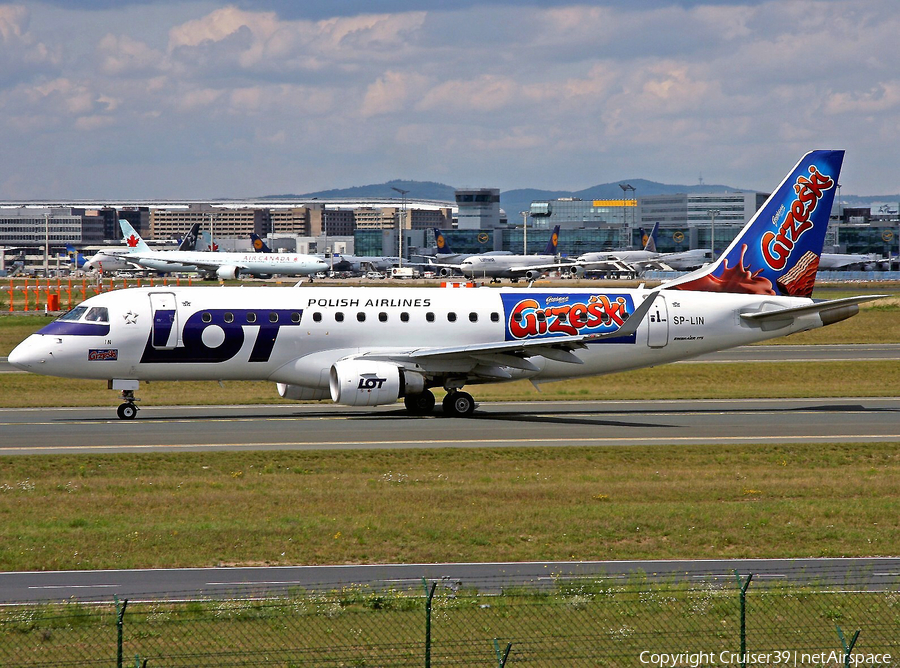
<point>743,588</point>
<point>501,658</point>
<point>847,648</point>
<point>120,628</point>
<point>428,596</point>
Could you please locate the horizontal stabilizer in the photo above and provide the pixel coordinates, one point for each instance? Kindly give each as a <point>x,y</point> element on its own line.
<point>831,311</point>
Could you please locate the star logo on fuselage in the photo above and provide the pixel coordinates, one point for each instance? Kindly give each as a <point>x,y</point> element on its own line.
<point>131,318</point>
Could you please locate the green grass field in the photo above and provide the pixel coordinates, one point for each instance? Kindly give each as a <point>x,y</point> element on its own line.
<point>251,508</point>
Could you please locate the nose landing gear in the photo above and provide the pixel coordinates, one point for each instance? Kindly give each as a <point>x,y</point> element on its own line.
<point>126,410</point>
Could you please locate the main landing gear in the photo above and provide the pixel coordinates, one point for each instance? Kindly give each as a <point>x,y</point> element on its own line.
<point>455,404</point>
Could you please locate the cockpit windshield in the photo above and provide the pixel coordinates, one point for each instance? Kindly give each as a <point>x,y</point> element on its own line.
<point>92,314</point>
<point>74,314</point>
<point>97,314</point>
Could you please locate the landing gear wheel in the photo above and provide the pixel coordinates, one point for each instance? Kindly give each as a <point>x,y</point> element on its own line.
<point>458,404</point>
<point>419,404</point>
<point>126,411</point>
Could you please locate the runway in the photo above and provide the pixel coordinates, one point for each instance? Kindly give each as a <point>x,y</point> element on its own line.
<point>189,583</point>
<point>503,424</point>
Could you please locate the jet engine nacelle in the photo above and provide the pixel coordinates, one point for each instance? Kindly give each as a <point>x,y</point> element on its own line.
<point>357,382</point>
<point>301,392</point>
<point>226,272</point>
<point>575,271</point>
<point>445,272</point>
<point>533,274</point>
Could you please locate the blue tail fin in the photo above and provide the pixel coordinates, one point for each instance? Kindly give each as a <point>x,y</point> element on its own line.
<point>258,244</point>
<point>648,241</point>
<point>441,243</point>
<point>553,244</point>
<point>778,251</point>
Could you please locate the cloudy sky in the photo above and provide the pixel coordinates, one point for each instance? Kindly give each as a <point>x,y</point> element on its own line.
<point>169,99</point>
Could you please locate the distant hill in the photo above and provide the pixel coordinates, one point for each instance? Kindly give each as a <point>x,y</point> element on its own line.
<point>516,201</point>
<point>417,190</point>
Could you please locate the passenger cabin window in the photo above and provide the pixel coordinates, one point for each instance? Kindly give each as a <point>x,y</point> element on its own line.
<point>295,316</point>
<point>429,316</point>
<point>251,316</point>
<point>273,316</point>
<point>206,317</point>
<point>404,317</point>
<point>228,317</point>
<point>495,317</point>
<point>317,317</point>
<point>97,314</point>
<point>339,317</point>
<point>473,317</point>
<point>382,316</point>
<point>451,317</point>
<point>361,316</point>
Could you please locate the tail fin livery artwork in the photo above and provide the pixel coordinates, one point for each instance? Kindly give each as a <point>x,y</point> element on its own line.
<point>370,346</point>
<point>778,251</point>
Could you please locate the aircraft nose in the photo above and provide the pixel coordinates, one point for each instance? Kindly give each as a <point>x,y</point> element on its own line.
<point>25,356</point>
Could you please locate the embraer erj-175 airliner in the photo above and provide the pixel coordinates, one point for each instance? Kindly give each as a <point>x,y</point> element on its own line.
<point>223,265</point>
<point>362,346</point>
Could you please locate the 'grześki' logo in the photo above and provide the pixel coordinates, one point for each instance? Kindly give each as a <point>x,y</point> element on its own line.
<point>777,248</point>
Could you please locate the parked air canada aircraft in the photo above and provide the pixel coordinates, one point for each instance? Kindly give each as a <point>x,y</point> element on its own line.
<point>223,265</point>
<point>116,259</point>
<point>362,346</point>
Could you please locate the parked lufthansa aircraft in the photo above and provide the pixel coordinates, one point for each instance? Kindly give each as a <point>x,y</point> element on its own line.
<point>362,346</point>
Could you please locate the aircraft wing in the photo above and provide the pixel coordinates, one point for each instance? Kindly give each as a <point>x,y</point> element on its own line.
<point>549,266</point>
<point>488,359</point>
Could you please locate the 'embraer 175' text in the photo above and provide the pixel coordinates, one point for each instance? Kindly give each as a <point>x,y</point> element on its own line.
<point>777,247</point>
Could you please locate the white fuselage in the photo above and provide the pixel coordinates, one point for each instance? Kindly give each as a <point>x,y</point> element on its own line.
<point>502,266</point>
<point>294,335</point>
<point>290,264</point>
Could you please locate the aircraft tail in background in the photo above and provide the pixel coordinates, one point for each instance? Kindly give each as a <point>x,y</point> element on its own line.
<point>258,244</point>
<point>553,243</point>
<point>189,242</point>
<point>132,239</point>
<point>648,241</point>
<point>778,251</point>
<point>440,241</point>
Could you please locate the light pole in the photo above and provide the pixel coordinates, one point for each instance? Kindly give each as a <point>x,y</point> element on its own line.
<point>402,220</point>
<point>712,231</point>
<point>46,244</point>
<point>524,233</point>
<point>625,188</point>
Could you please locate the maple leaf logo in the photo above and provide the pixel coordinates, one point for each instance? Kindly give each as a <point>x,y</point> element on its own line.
<point>132,241</point>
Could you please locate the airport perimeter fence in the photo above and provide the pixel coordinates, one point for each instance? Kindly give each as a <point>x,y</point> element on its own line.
<point>732,620</point>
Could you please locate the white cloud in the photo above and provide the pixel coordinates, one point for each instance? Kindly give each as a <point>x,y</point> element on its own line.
<point>564,96</point>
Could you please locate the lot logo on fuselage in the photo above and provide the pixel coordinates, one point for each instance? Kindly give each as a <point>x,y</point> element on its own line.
<point>224,343</point>
<point>550,315</point>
